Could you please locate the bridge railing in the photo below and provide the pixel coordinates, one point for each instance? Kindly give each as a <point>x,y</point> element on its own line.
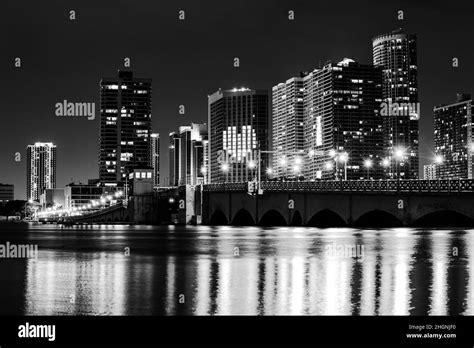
<point>97,213</point>
<point>379,186</point>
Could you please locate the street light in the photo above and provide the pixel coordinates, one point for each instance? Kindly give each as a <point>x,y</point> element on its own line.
<point>225,167</point>
<point>399,153</point>
<point>439,159</point>
<point>252,165</point>
<point>368,165</point>
<point>344,157</point>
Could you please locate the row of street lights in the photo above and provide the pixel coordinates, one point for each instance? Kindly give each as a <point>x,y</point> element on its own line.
<point>339,157</point>
<point>82,208</point>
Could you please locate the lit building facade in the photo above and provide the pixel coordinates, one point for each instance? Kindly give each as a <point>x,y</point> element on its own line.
<point>429,171</point>
<point>6,193</point>
<point>77,194</point>
<point>396,55</point>
<point>40,169</point>
<point>174,158</point>
<point>287,125</point>
<point>189,155</point>
<point>238,131</point>
<point>454,145</point>
<point>125,126</point>
<point>339,108</point>
<point>155,158</point>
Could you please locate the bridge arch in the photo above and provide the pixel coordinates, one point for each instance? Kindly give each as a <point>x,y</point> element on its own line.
<point>272,218</point>
<point>444,218</point>
<point>296,219</point>
<point>218,218</point>
<point>378,218</point>
<point>243,218</point>
<point>326,218</point>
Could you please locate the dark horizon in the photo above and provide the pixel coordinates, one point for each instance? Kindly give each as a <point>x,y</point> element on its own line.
<point>190,59</point>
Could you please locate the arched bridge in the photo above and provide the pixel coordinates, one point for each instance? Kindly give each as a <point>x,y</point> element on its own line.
<point>342,203</point>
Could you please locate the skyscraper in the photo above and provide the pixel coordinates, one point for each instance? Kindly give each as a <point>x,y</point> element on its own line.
<point>193,146</point>
<point>40,169</point>
<point>454,144</point>
<point>125,126</point>
<point>338,105</point>
<point>174,159</point>
<point>238,130</point>
<point>188,155</point>
<point>396,54</point>
<point>155,158</point>
<point>287,123</point>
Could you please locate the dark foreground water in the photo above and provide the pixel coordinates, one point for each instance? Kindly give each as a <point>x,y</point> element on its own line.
<point>238,270</point>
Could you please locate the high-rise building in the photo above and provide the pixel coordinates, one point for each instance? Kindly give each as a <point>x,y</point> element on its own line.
<point>193,147</point>
<point>174,159</point>
<point>454,144</point>
<point>188,155</point>
<point>287,124</point>
<point>125,126</point>
<point>396,55</point>
<point>40,169</point>
<point>238,132</point>
<point>155,158</point>
<point>341,121</point>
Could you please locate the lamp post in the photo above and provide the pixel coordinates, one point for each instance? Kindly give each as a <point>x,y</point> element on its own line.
<point>368,165</point>
<point>225,170</point>
<point>399,153</point>
<point>385,164</point>
<point>344,157</point>
<point>203,172</point>
<point>269,172</point>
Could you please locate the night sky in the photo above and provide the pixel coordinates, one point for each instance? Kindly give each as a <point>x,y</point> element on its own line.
<point>187,60</point>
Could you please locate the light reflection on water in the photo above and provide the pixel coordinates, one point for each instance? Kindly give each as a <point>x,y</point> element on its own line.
<point>234,271</point>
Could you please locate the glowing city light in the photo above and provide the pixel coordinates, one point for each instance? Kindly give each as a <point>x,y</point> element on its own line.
<point>343,157</point>
<point>399,152</point>
<point>439,159</point>
<point>328,165</point>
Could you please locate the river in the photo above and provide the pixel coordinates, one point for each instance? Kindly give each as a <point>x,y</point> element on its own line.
<point>203,270</point>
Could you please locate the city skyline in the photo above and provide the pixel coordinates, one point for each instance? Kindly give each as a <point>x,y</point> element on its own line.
<point>75,161</point>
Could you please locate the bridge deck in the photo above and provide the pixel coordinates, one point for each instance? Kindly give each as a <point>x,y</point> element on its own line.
<point>369,186</point>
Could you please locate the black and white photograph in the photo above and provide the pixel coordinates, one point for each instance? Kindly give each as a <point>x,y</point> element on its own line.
<point>237,164</point>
